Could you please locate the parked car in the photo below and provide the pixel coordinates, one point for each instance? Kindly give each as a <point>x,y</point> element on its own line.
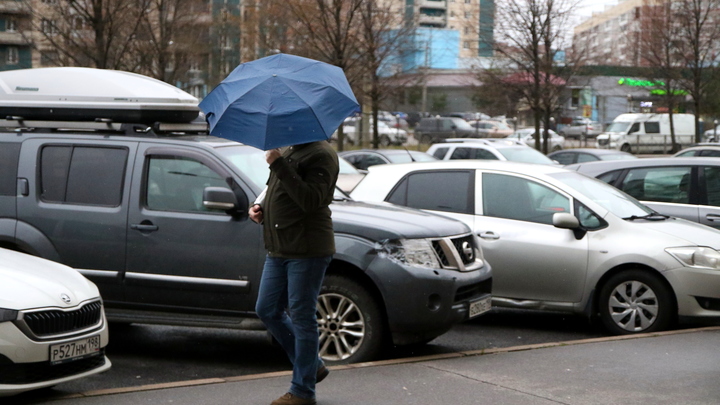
<point>489,149</point>
<point>490,129</point>
<point>581,155</point>
<point>712,134</point>
<point>581,126</point>
<point>682,187</point>
<point>388,136</point>
<point>155,214</point>
<point>393,120</point>
<point>647,133</point>
<point>348,176</point>
<point>364,158</point>
<point>52,324</point>
<point>562,241</point>
<point>435,129</point>
<point>700,149</point>
<point>527,135</point>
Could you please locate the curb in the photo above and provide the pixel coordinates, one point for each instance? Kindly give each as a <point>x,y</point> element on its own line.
<point>443,356</point>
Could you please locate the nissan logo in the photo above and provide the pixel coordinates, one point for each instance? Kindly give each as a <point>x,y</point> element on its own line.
<point>467,251</point>
<point>66,298</point>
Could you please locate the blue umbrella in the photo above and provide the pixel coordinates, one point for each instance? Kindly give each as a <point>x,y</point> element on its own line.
<point>279,100</point>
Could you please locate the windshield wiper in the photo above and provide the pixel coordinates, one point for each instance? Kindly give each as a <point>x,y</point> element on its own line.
<point>653,216</point>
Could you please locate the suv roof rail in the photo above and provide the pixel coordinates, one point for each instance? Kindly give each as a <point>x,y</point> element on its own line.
<point>488,141</point>
<point>104,126</point>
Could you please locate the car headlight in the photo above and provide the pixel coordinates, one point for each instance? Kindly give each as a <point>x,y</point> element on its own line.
<point>696,256</point>
<point>412,252</point>
<point>8,315</point>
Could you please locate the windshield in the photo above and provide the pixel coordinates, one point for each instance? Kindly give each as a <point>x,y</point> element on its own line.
<point>607,196</point>
<point>461,123</point>
<point>251,162</point>
<point>618,127</point>
<point>406,157</point>
<point>526,155</point>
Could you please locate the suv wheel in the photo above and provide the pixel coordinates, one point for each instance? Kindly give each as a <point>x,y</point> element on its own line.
<point>350,322</point>
<point>384,141</point>
<point>636,301</point>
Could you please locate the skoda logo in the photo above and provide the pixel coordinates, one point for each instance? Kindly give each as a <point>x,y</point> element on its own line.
<point>66,298</point>
<point>467,251</point>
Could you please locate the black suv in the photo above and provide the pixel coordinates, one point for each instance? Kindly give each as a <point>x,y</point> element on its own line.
<point>158,220</point>
<point>437,129</point>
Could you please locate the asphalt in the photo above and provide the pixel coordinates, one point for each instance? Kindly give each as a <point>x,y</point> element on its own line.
<point>677,367</point>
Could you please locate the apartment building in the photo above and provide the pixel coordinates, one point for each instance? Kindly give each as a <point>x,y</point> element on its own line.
<point>612,37</point>
<point>15,35</point>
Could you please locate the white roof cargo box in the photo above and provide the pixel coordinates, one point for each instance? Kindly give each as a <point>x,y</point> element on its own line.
<point>86,94</point>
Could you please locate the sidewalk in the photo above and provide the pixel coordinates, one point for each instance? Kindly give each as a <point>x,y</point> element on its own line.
<point>677,367</point>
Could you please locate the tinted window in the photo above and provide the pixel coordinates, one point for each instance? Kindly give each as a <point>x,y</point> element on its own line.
<point>585,157</point>
<point>689,153</point>
<point>83,175</point>
<point>564,158</point>
<point>652,127</point>
<point>610,177</point>
<point>9,155</point>
<point>177,183</point>
<point>712,185</point>
<point>440,152</point>
<point>663,184</point>
<point>520,199</point>
<point>452,191</point>
<point>710,153</point>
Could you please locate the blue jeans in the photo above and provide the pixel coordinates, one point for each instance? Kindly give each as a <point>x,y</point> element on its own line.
<point>294,284</point>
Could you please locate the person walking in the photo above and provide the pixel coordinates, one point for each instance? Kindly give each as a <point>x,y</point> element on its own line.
<point>299,238</point>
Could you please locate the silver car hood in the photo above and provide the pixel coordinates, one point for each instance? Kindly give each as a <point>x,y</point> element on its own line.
<point>31,282</point>
<point>686,232</point>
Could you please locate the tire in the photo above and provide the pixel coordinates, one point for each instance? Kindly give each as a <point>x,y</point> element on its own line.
<point>384,141</point>
<point>636,301</point>
<point>626,148</point>
<point>352,329</point>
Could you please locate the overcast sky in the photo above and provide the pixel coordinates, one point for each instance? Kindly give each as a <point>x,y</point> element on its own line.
<point>587,7</point>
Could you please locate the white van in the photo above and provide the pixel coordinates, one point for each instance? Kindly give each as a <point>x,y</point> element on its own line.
<point>647,132</point>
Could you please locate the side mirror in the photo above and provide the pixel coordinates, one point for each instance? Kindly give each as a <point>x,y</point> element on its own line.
<point>219,198</point>
<point>564,220</point>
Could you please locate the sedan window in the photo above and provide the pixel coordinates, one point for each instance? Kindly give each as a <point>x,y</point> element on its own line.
<point>521,199</point>
<point>662,184</point>
<point>452,191</point>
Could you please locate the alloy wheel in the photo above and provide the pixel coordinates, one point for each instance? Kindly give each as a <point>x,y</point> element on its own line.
<point>342,327</point>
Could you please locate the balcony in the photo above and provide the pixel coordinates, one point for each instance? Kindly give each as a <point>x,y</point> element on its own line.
<point>14,7</point>
<point>13,38</point>
<point>434,4</point>
<point>434,20</point>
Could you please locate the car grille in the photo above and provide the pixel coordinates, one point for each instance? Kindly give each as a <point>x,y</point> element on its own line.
<point>603,142</point>
<point>29,373</point>
<point>474,290</point>
<point>49,323</point>
<point>464,247</point>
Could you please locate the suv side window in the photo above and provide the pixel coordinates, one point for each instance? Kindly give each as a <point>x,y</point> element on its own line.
<point>440,153</point>
<point>521,199</point>
<point>176,184</point>
<point>9,156</point>
<point>712,185</point>
<point>453,191</point>
<point>662,184</point>
<point>70,174</point>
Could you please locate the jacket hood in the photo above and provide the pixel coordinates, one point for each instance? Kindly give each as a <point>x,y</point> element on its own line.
<point>387,221</point>
<point>28,282</point>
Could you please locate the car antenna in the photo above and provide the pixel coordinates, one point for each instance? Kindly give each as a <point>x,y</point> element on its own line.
<point>409,154</point>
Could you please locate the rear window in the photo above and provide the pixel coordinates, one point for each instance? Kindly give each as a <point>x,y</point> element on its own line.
<point>9,156</point>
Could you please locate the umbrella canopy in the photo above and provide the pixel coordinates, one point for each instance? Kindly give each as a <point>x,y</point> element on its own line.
<point>279,100</point>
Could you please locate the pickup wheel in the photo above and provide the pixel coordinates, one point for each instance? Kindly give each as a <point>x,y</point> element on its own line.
<point>636,301</point>
<point>626,148</point>
<point>350,321</point>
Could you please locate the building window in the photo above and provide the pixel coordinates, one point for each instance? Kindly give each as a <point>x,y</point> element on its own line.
<point>13,56</point>
<point>466,44</point>
<point>48,27</point>
<point>466,30</point>
<point>575,98</point>
<point>468,1</point>
<point>11,24</point>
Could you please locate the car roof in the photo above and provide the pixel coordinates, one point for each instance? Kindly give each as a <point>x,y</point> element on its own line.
<point>484,143</point>
<point>381,151</point>
<point>471,164</point>
<point>593,151</point>
<point>599,167</point>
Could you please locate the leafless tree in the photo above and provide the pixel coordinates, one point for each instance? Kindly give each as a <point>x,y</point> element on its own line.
<point>530,34</point>
<point>330,29</point>
<point>94,33</point>
<point>698,30</point>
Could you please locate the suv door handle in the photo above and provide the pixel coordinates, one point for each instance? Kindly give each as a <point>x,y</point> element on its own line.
<point>144,226</point>
<point>489,235</point>
<point>712,217</point>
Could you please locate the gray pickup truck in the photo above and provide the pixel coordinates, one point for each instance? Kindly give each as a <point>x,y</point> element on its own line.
<point>158,220</point>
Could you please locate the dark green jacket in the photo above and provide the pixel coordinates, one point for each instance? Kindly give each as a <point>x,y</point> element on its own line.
<point>296,214</point>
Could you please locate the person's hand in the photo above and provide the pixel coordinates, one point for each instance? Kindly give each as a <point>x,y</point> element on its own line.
<point>271,155</point>
<point>256,213</point>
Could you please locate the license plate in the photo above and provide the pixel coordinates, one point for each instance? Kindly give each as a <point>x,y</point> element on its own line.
<point>75,350</point>
<point>479,307</point>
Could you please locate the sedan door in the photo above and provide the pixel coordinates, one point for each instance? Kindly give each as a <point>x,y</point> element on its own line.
<point>532,259</point>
